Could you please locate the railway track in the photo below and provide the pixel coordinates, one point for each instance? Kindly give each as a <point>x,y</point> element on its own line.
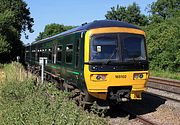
<point>162,89</point>
<point>161,96</point>
<point>167,85</point>
<point>140,118</point>
<point>168,82</point>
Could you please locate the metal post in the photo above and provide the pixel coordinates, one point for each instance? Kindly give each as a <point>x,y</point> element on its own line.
<point>42,62</point>
<point>18,57</point>
<point>42,71</point>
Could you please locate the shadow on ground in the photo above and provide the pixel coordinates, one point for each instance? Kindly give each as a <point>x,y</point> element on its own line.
<point>147,105</point>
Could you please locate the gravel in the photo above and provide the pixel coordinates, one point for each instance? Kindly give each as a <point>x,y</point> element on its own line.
<point>155,109</point>
<point>165,115</point>
<point>164,93</point>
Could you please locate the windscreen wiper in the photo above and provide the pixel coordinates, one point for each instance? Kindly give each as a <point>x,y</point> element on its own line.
<point>109,59</point>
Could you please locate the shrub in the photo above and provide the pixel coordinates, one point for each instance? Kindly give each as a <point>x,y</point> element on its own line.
<point>163,43</point>
<point>22,102</point>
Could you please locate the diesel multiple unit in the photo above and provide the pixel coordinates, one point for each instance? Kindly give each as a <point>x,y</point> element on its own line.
<point>105,60</point>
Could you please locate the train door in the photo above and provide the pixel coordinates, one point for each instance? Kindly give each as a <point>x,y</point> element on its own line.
<point>77,50</point>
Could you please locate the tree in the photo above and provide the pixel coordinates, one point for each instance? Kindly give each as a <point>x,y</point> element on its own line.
<point>6,20</point>
<point>52,29</point>
<point>163,45</point>
<point>164,9</point>
<point>130,14</point>
<point>14,19</point>
<point>163,35</point>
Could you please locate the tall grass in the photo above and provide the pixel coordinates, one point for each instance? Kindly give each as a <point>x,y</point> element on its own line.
<point>15,72</point>
<point>165,74</point>
<point>22,103</point>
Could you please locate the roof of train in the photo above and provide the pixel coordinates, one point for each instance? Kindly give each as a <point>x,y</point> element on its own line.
<point>92,25</point>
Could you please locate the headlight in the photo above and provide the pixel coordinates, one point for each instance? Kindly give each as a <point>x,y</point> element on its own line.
<point>139,76</point>
<point>98,77</point>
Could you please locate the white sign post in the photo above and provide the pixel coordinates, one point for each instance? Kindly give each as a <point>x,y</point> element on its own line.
<point>18,58</point>
<point>42,62</point>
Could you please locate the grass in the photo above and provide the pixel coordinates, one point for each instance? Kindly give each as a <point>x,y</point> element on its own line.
<point>165,74</point>
<point>22,102</point>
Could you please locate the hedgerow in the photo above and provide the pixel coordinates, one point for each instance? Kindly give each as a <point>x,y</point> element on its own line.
<point>163,42</point>
<point>22,102</point>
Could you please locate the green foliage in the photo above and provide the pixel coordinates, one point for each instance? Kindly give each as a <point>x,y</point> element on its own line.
<point>21,102</point>
<point>15,72</point>
<point>165,74</point>
<point>21,14</point>
<point>130,14</point>
<point>163,45</point>
<point>6,19</point>
<point>4,45</point>
<point>52,29</point>
<point>14,19</point>
<point>164,9</point>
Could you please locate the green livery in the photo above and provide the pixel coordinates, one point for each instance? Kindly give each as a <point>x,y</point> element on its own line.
<point>68,68</point>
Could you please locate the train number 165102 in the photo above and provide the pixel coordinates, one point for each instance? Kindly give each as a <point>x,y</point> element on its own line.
<point>120,76</point>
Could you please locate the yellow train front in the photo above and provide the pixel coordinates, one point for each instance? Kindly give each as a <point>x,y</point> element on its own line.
<point>115,62</point>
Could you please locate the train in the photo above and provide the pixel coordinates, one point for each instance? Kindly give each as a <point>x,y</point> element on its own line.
<point>104,61</point>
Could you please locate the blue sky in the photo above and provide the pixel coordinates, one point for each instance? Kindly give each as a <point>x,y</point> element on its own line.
<point>72,12</point>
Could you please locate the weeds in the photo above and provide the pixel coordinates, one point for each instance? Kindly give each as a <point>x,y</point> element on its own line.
<point>22,103</point>
<point>165,74</point>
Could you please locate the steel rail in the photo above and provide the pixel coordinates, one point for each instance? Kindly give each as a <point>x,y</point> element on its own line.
<point>161,96</point>
<point>161,89</point>
<point>169,82</point>
<point>140,118</point>
<point>145,121</point>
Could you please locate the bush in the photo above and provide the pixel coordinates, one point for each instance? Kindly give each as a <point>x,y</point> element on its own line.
<point>163,43</point>
<point>166,74</point>
<point>22,102</point>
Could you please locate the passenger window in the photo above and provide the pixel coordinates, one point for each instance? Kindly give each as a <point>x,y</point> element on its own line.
<point>59,54</point>
<point>27,55</point>
<point>50,55</point>
<point>39,53</point>
<point>33,54</point>
<point>45,52</point>
<point>69,53</point>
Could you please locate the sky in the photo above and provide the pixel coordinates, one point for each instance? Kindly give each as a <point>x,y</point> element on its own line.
<point>72,12</point>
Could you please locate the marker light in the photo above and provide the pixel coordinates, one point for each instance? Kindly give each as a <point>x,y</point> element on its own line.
<point>98,77</point>
<point>139,76</point>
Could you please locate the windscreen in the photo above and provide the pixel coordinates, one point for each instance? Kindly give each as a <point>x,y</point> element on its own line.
<point>133,48</point>
<point>104,47</point>
<point>120,47</point>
